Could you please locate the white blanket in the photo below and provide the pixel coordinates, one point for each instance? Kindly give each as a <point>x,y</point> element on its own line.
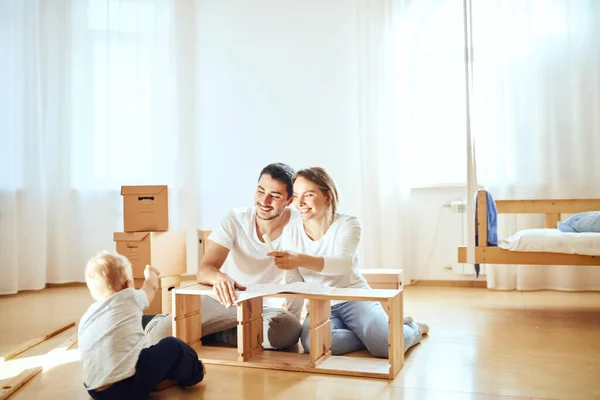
<point>553,241</point>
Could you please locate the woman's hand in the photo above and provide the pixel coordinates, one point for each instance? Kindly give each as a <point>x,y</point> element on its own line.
<point>286,259</point>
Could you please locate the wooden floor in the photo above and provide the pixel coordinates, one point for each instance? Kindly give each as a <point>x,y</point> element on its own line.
<point>482,345</point>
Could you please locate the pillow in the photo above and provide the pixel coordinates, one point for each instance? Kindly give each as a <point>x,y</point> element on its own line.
<point>583,222</point>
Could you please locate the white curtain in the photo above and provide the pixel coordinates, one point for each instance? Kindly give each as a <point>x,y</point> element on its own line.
<point>412,117</point>
<point>102,93</point>
<point>95,94</point>
<point>536,113</point>
<point>385,152</point>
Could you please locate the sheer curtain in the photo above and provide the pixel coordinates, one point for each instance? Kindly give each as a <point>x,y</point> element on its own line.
<point>535,108</point>
<point>97,94</point>
<point>411,118</point>
<point>385,153</point>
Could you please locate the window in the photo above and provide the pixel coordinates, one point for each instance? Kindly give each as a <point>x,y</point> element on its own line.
<point>124,116</point>
<point>510,40</point>
<point>436,92</point>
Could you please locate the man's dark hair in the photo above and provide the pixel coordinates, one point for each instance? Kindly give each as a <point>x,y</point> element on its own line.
<point>282,172</point>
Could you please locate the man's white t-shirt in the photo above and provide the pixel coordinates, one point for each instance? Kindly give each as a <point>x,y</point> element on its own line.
<point>111,338</point>
<point>247,262</point>
<point>339,249</point>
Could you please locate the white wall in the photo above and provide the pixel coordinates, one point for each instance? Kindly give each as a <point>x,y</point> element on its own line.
<point>275,87</point>
<point>438,231</point>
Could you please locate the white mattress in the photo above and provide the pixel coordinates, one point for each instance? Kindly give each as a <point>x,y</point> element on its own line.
<point>553,241</point>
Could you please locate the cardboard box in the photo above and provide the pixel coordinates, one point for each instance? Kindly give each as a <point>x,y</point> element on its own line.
<point>383,278</point>
<point>145,208</point>
<point>163,299</point>
<point>202,238</point>
<point>165,251</point>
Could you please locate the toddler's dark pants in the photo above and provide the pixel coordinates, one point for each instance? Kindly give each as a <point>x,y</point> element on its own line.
<point>169,359</point>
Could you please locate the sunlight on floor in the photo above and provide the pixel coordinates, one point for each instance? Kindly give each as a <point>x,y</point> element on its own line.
<point>55,357</point>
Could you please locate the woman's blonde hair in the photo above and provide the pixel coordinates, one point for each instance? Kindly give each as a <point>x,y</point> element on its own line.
<point>321,178</point>
<point>105,273</point>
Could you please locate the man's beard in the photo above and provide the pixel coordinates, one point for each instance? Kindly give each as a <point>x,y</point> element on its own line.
<point>268,219</point>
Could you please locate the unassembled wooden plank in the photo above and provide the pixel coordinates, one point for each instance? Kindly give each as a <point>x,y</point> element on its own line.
<point>396,335</point>
<point>498,255</point>
<point>67,344</point>
<point>9,386</point>
<point>34,342</point>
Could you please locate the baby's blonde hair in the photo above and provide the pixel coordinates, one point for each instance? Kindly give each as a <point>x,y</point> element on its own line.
<point>105,273</point>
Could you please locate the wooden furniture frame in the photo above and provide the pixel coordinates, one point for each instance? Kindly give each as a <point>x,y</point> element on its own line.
<point>552,209</point>
<point>250,353</point>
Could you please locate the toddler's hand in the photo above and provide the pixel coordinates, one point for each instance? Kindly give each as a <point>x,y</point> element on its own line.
<point>150,270</point>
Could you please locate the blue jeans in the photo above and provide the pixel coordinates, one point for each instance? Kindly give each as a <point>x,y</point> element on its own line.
<point>357,325</point>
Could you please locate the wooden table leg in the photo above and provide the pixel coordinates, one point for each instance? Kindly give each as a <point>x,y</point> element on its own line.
<point>395,313</point>
<point>250,328</point>
<point>320,331</point>
<point>187,318</point>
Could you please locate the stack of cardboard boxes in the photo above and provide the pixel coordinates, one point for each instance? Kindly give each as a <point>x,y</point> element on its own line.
<point>146,240</point>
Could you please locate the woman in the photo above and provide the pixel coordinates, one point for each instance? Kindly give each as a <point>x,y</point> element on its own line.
<point>326,253</point>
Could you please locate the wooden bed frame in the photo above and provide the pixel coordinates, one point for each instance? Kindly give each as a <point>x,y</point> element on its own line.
<point>552,209</point>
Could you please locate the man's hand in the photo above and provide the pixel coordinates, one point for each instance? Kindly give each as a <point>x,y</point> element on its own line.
<point>286,259</point>
<point>225,288</point>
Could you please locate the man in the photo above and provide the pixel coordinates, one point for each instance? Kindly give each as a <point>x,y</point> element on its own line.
<point>236,255</point>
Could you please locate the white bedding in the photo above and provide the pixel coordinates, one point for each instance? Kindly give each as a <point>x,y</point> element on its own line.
<point>553,241</point>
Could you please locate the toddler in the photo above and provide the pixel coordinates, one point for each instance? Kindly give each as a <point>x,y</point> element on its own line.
<point>117,362</point>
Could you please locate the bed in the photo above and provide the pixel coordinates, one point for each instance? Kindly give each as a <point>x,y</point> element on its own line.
<point>546,246</point>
